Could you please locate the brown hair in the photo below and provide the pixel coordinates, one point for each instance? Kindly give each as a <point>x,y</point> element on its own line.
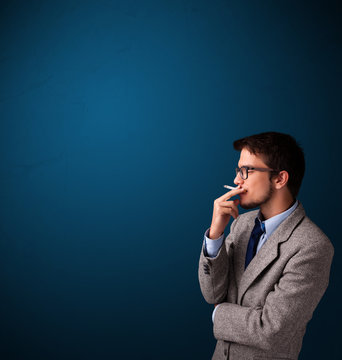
<point>279,152</point>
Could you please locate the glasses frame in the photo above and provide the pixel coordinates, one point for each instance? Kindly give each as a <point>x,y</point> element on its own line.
<point>248,168</point>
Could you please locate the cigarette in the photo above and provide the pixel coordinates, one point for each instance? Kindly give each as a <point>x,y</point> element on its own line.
<point>230,187</point>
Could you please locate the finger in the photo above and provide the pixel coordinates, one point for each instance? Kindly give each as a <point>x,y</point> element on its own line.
<point>230,211</point>
<point>229,208</point>
<point>235,211</point>
<point>235,208</point>
<point>231,193</point>
<point>226,203</point>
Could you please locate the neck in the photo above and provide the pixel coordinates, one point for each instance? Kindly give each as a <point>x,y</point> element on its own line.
<point>276,206</point>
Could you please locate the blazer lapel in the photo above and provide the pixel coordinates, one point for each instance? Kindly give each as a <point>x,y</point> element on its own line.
<point>241,248</point>
<point>267,253</point>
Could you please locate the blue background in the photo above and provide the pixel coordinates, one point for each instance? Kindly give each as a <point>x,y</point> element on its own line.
<point>116,126</point>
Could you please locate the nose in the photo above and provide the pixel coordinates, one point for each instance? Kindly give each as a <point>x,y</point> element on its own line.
<point>238,180</point>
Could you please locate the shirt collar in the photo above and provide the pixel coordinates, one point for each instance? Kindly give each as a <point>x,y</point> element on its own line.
<point>272,223</point>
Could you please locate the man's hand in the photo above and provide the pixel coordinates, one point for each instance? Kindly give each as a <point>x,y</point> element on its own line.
<point>223,210</point>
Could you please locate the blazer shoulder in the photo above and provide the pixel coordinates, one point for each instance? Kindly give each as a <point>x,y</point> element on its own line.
<point>309,232</point>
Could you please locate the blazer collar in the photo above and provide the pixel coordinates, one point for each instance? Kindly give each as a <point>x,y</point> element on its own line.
<point>267,253</point>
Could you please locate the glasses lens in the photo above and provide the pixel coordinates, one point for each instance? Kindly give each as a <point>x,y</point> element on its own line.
<point>243,172</point>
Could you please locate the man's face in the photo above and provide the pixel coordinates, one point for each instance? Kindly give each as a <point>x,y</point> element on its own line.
<point>258,186</point>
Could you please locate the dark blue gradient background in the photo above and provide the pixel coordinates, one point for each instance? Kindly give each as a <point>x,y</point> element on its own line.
<point>116,121</point>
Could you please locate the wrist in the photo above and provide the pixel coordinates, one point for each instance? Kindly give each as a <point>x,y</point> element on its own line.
<point>214,234</point>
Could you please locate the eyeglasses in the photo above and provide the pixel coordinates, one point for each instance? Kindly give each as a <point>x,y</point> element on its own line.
<point>243,171</point>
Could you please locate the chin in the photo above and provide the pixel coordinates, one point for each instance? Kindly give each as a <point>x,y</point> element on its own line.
<point>249,205</point>
<point>258,201</point>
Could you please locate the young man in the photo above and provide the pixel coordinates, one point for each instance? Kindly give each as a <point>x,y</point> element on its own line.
<point>267,277</point>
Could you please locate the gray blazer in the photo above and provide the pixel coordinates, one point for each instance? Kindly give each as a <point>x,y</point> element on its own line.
<point>265,309</point>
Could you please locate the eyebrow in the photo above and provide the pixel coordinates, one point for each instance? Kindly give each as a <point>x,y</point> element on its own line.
<point>251,166</point>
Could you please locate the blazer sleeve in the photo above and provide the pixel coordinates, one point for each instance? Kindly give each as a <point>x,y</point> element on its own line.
<point>213,273</point>
<point>289,306</point>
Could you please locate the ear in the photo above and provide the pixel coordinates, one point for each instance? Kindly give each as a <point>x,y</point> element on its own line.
<point>281,179</point>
